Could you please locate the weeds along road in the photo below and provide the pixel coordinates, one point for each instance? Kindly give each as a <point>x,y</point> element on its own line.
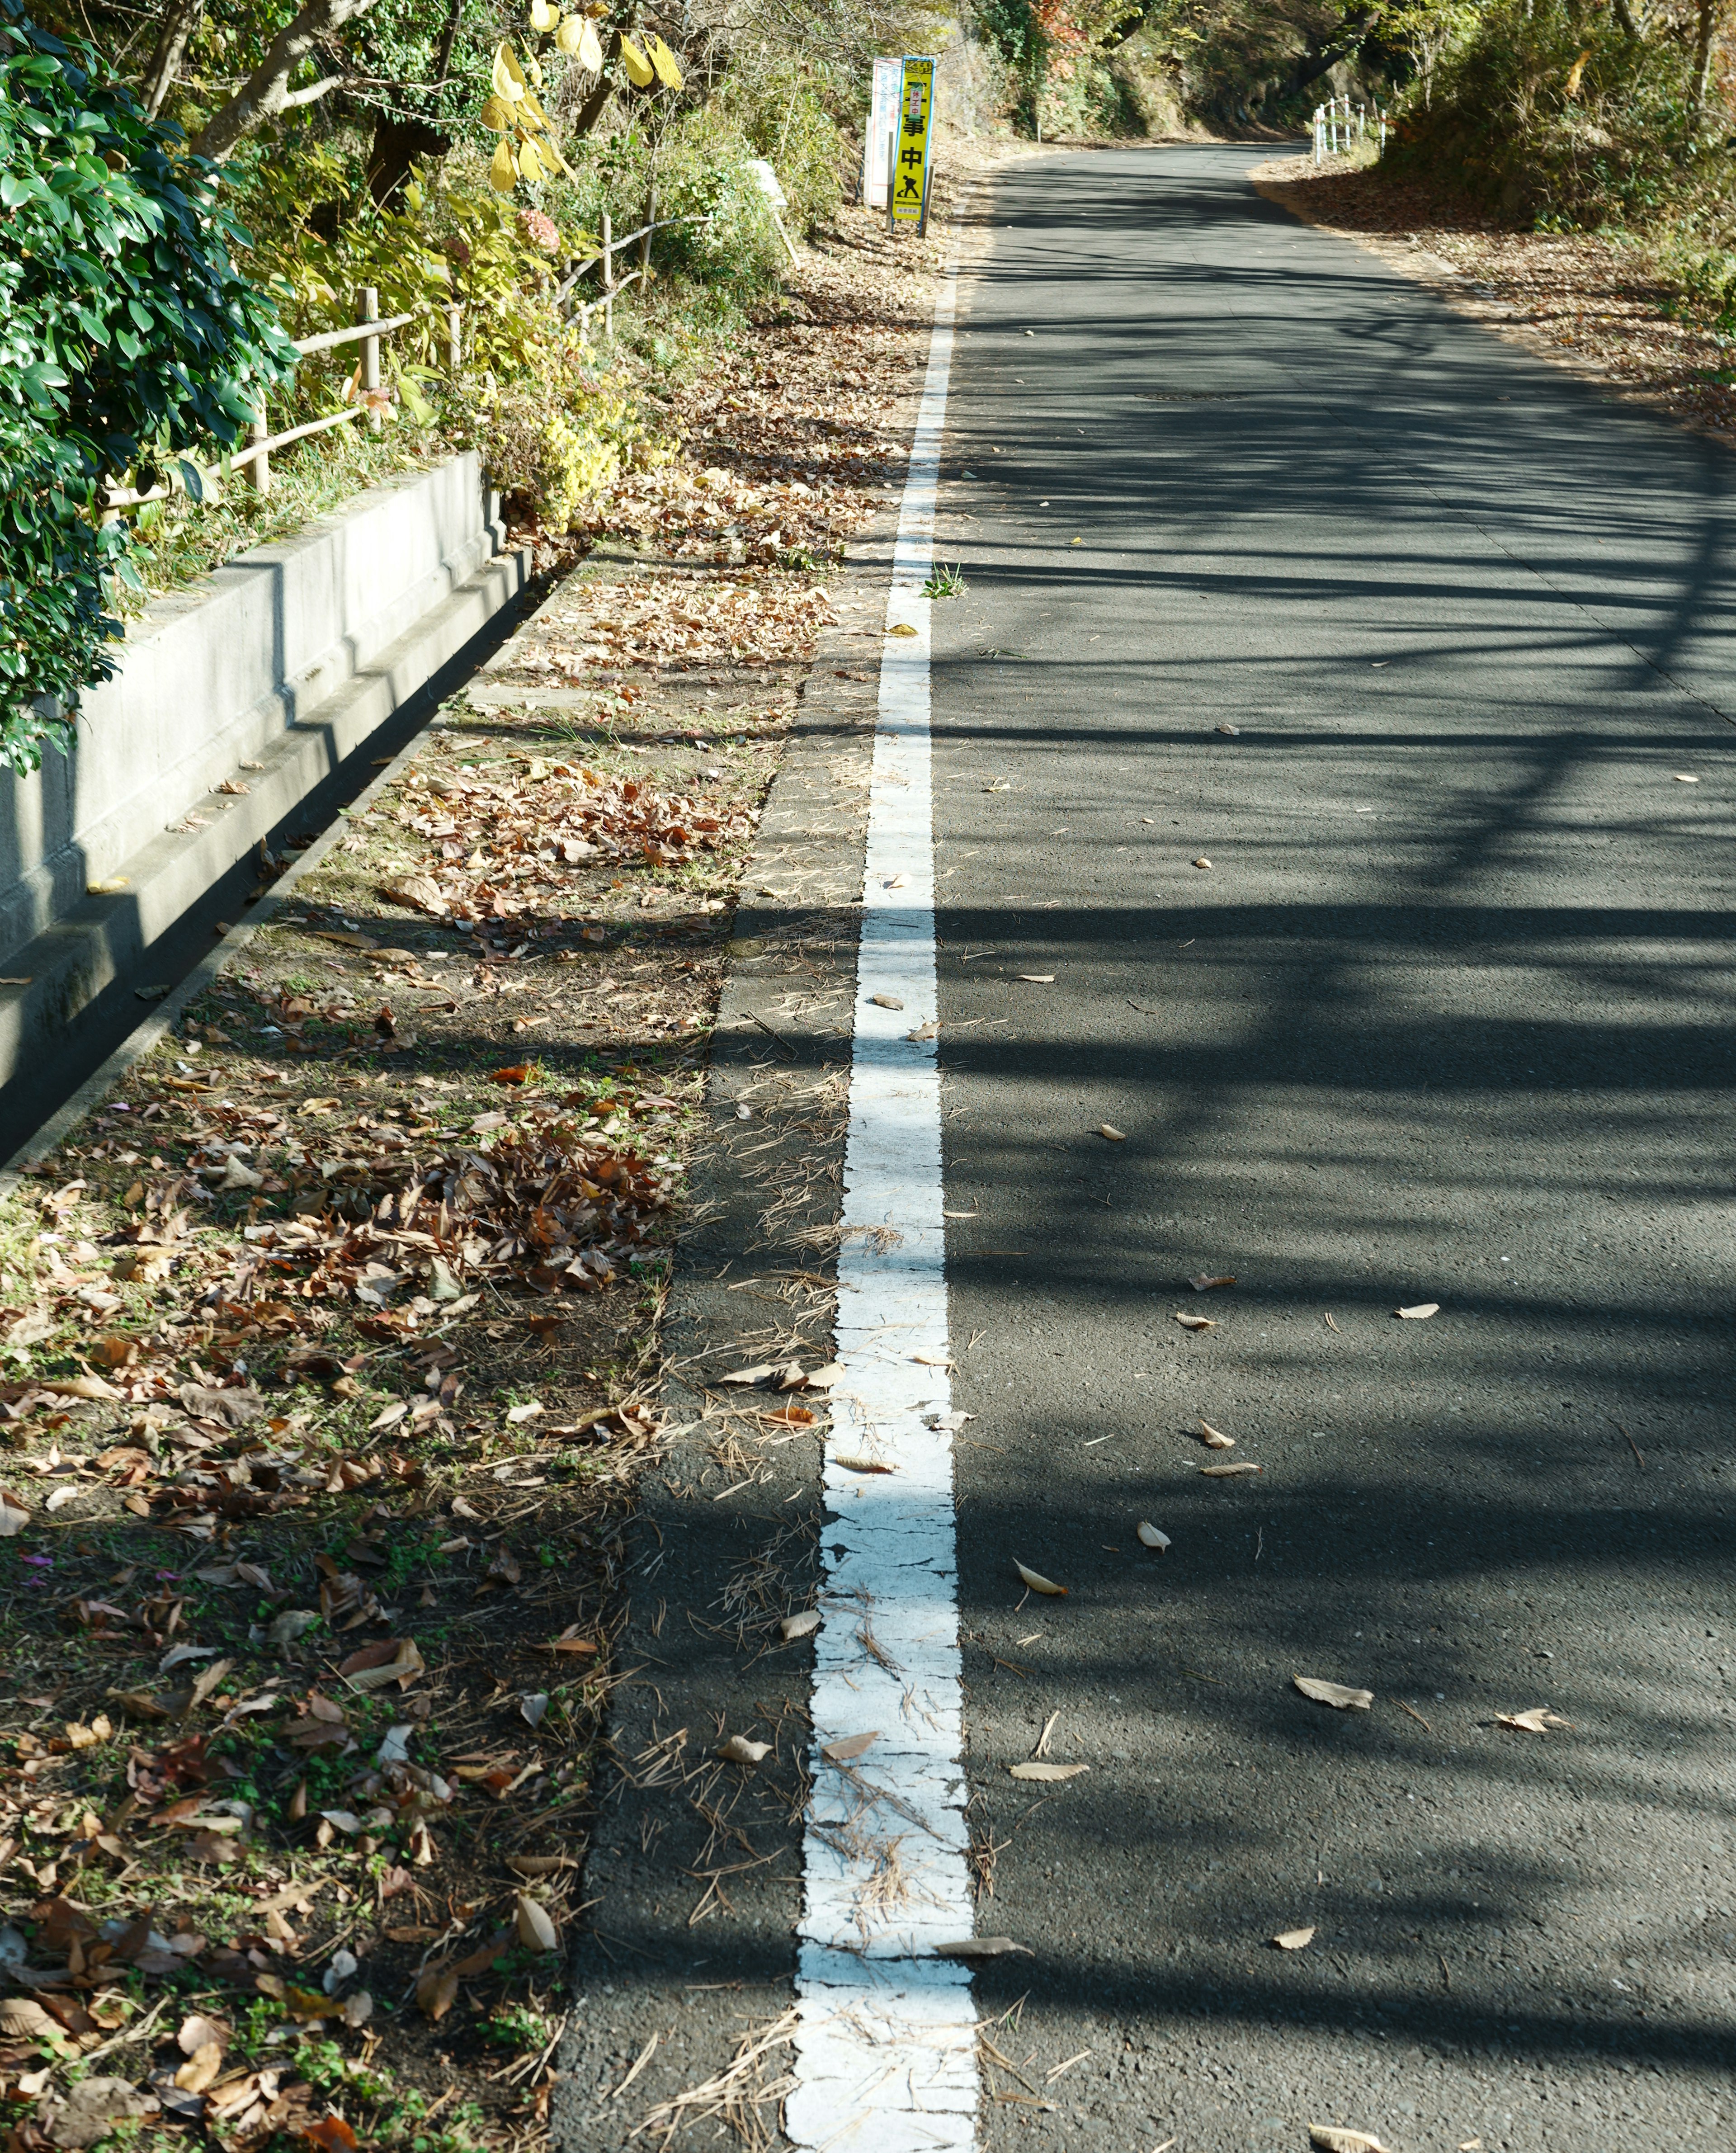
<point>1274,563</point>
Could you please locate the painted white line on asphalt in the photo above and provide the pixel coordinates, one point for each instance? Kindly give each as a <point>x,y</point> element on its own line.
<point>886,2056</point>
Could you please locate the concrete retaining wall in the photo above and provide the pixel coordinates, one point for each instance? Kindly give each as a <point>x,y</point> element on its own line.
<point>289,657</point>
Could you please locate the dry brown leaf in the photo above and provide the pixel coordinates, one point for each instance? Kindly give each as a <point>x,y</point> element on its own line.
<point>1150,1537</point>
<point>198,2032</point>
<point>1109,1130</point>
<point>982,1947</point>
<point>436,1992</point>
<point>1205,1282</point>
<point>1195,1322</point>
<point>851,1464</point>
<point>1038,1583</point>
<point>739,1750</point>
<point>82,1387</point>
<point>1324,2139</point>
<point>201,2068</point>
<point>1202,862</point>
<point>25,2021</point>
<point>887,1001</point>
<point>822,1379</point>
<point>537,1930</point>
<point>1036,979</point>
<point>1334,1693</point>
<point>1421,1313</point>
<point>1230,1472</point>
<point>1041,1768</point>
<point>799,1626</point>
<point>852,1746</point>
<point>933,1359</point>
<point>13,1516</point>
<point>1536,1720</point>
<point>365,1671</point>
<point>757,1374</point>
<point>1214,1438</point>
<point>1294,1939</point>
<point>419,893</point>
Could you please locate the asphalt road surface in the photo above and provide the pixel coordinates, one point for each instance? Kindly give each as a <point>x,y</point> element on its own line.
<point>1273,561</point>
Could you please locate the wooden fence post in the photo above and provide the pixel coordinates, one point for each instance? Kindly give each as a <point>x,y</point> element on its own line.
<point>608,278</point>
<point>368,310</point>
<point>259,471</point>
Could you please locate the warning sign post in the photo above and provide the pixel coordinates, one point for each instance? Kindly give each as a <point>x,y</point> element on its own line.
<point>912,147</point>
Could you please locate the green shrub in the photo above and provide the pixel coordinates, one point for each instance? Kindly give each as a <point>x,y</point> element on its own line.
<point>126,337</point>
<point>1552,114</point>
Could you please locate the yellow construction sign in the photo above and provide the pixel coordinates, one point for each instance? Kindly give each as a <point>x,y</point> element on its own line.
<point>912,149</point>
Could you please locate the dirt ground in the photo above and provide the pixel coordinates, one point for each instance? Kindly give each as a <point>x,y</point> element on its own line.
<point>1600,306</point>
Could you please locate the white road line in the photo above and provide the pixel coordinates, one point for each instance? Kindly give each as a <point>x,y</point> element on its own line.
<point>886,2057</point>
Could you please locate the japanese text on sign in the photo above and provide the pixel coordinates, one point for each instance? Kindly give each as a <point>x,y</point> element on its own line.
<point>910,160</point>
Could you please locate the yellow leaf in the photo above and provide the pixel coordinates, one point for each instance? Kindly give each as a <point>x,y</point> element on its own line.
<point>1040,1584</point>
<point>544,15</point>
<point>664,60</point>
<point>534,109</point>
<point>590,48</point>
<point>533,67</point>
<point>530,164</point>
<point>506,75</point>
<point>502,171</point>
<point>496,115</point>
<point>637,66</point>
<point>570,36</point>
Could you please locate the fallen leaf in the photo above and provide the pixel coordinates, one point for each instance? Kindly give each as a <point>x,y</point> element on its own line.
<point>1421,1313</point>
<point>1036,979</point>
<point>757,1374</point>
<point>933,1361</point>
<point>1230,1472</point>
<point>901,628</point>
<point>1325,2139</point>
<point>197,2032</point>
<point>1294,1939</point>
<point>201,2068</point>
<point>83,1387</point>
<point>1683,778</point>
<point>862,1465</point>
<point>1040,1584</point>
<point>1204,1282</point>
<point>398,1660</point>
<point>1109,1130</point>
<point>13,1516</point>
<point>799,1626</point>
<point>537,1930</point>
<point>292,1623</point>
<point>518,1413</point>
<point>739,1750</point>
<point>1536,1720</point>
<point>419,893</point>
<point>515,1075</point>
<point>1214,1438</point>
<point>982,1947</point>
<point>1043,1770</point>
<point>849,1748</point>
<point>1202,862</point>
<point>886,1002</point>
<point>25,2021</point>
<point>533,1709</point>
<point>436,1992</point>
<point>1151,1538</point>
<point>93,2108</point>
<point>1334,1693</point>
<point>1195,1322</point>
<point>822,1379</point>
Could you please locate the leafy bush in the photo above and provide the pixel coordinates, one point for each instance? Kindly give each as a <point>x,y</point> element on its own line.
<point>1554,114</point>
<point>126,336</point>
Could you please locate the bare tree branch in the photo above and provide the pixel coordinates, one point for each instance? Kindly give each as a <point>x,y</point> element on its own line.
<point>267,92</point>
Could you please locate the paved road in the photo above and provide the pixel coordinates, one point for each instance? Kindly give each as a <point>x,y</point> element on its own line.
<point>1448,1018</point>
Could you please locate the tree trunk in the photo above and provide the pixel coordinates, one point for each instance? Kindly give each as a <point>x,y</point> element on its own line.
<point>1705,26</point>
<point>266,92</point>
<point>180,18</point>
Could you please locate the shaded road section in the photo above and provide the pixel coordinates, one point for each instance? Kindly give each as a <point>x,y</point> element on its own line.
<point>1272,562</point>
